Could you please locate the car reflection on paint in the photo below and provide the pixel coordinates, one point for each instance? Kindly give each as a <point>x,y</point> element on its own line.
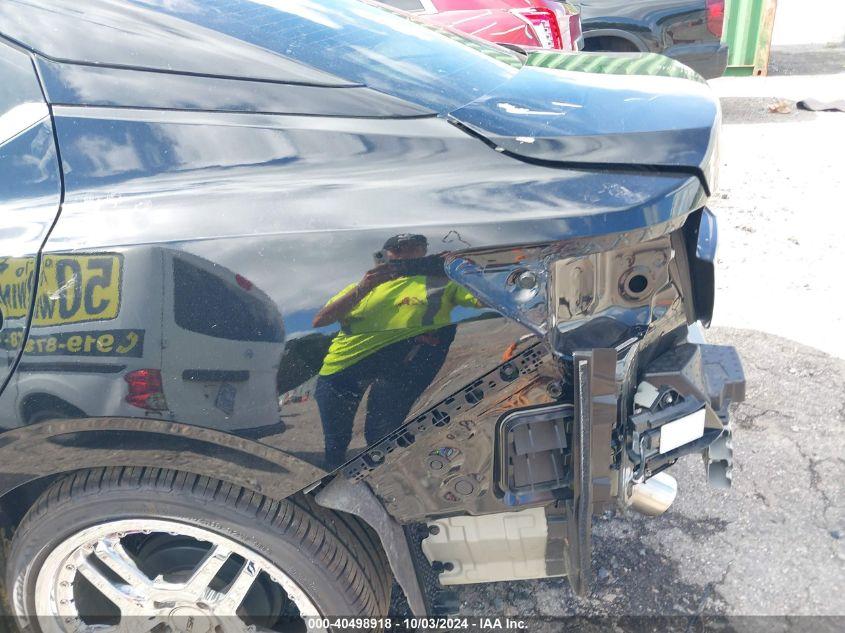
<point>548,24</point>
<point>206,341</point>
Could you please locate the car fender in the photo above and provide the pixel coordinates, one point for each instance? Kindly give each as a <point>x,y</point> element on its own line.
<point>625,35</point>
<point>32,385</point>
<point>55,447</point>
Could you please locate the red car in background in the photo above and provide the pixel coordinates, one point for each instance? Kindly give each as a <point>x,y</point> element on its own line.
<point>524,23</point>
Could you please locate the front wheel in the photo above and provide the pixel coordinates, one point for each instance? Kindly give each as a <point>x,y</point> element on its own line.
<point>147,549</point>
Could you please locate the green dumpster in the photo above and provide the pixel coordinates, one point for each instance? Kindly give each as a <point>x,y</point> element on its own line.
<point>748,34</point>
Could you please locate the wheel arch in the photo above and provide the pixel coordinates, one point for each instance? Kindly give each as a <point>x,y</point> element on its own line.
<point>35,402</point>
<point>33,456</point>
<point>617,34</point>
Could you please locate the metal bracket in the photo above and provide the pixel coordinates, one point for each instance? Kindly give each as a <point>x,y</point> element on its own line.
<point>595,416</point>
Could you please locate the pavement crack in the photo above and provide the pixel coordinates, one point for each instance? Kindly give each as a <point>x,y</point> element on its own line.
<point>812,466</point>
<point>748,420</point>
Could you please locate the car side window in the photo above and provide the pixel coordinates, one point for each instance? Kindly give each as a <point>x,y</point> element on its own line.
<point>208,304</point>
<point>21,102</point>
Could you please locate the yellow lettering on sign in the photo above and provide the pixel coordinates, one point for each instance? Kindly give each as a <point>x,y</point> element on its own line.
<point>72,288</point>
<point>15,283</point>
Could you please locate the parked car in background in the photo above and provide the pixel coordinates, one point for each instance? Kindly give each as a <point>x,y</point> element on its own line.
<point>523,23</point>
<point>175,329</point>
<point>687,30</point>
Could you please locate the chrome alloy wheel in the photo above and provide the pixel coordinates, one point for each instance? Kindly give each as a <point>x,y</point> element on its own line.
<point>103,560</point>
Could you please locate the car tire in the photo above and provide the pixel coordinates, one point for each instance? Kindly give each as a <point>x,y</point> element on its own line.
<point>324,562</point>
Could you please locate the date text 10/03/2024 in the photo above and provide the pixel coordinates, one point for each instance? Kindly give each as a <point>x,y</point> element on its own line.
<point>418,624</point>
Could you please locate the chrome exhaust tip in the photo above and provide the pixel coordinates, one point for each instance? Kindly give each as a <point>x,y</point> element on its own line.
<point>654,496</point>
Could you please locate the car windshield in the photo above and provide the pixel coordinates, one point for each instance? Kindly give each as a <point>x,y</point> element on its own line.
<point>363,42</point>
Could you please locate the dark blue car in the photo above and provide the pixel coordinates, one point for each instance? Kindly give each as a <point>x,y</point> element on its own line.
<point>687,30</point>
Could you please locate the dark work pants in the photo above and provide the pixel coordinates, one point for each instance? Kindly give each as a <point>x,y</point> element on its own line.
<point>396,375</point>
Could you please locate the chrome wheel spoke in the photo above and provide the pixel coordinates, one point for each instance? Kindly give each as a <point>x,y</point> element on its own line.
<point>123,597</point>
<point>111,552</point>
<point>234,595</point>
<point>111,557</point>
<point>207,569</point>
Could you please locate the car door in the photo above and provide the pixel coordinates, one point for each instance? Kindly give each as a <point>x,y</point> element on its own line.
<point>30,194</point>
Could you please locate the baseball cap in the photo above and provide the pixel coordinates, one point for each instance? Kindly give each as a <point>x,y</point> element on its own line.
<point>398,241</point>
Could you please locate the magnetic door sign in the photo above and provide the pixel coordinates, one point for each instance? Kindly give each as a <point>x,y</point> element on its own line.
<point>15,285</point>
<point>127,343</point>
<point>72,288</point>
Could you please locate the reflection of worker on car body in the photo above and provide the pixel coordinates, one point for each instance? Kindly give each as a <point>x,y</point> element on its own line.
<point>393,340</point>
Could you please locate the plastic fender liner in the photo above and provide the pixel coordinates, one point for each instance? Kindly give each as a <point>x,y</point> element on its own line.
<point>701,235</point>
<point>357,498</point>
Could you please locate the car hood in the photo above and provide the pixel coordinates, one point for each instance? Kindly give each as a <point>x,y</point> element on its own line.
<point>625,111</point>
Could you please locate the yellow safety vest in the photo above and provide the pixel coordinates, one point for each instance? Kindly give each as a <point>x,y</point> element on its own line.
<point>391,312</point>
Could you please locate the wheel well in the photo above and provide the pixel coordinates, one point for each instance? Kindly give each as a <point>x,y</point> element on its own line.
<point>609,43</point>
<point>15,503</point>
<point>38,403</point>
